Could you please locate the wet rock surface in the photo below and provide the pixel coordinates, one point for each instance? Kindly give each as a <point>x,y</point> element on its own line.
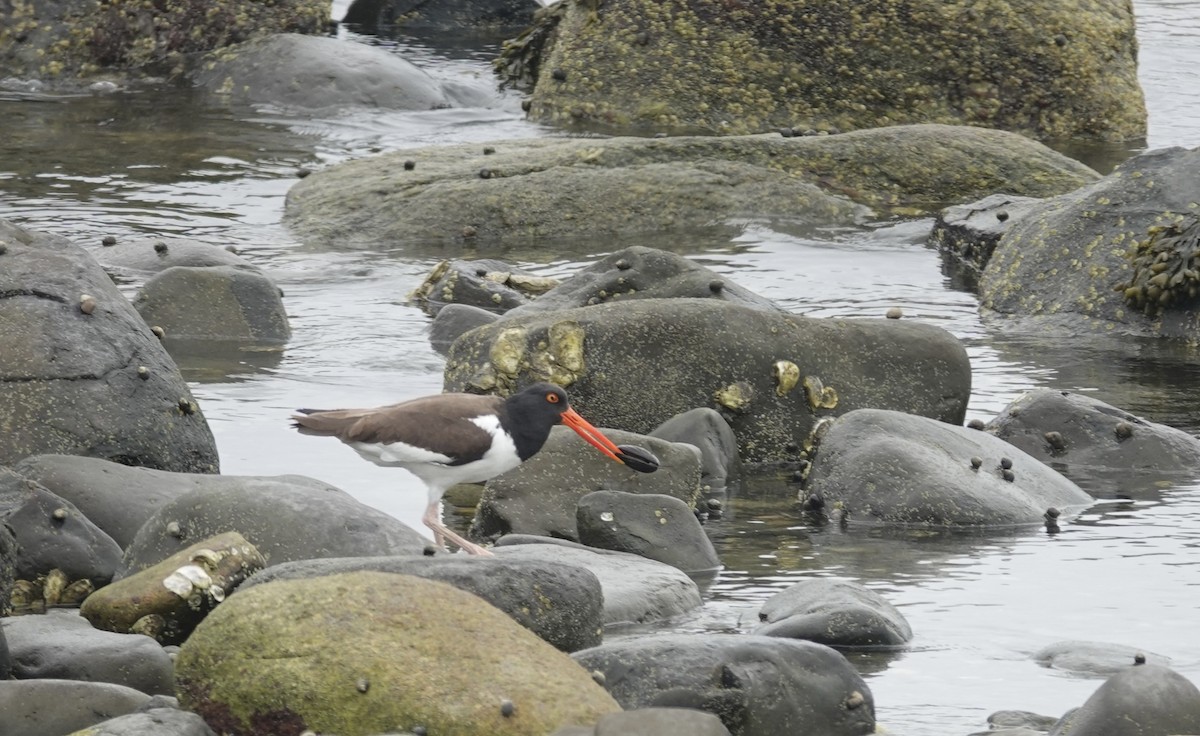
<point>834,613</point>
<point>221,303</point>
<point>1141,699</point>
<point>1094,659</point>
<point>53,707</point>
<point>967,234</point>
<point>653,526</point>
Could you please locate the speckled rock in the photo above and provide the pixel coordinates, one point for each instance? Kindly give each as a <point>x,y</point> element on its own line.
<point>167,600</point>
<point>886,467</point>
<point>835,613</point>
<point>70,379</point>
<point>771,375</point>
<point>651,722</point>
<point>455,16</point>
<point>1067,70</point>
<point>137,258</point>
<point>540,495</point>
<point>268,511</point>
<point>48,39</point>
<point>1116,256</point>
<point>8,570</point>
<point>757,685</point>
<point>572,187</point>
<point>1093,658</point>
<point>336,669</point>
<point>1142,699</point>
<point>486,283</point>
<point>315,73</point>
<point>151,722</point>
<point>653,526</point>
<point>561,603</point>
<point>223,303</point>
<point>56,707</point>
<point>967,234</point>
<point>62,645</point>
<point>1095,444</point>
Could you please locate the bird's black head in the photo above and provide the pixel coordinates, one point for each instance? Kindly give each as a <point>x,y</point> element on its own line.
<point>529,414</point>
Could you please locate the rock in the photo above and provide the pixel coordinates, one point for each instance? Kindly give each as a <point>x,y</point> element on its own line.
<point>151,722</point>
<point>652,722</point>
<point>455,16</point>
<point>41,40</point>
<point>967,234</point>
<point>316,73</point>
<point>452,321</point>
<point>1092,658</point>
<point>561,603</point>
<point>756,685</point>
<point>1141,700</point>
<point>116,498</point>
<point>222,303</point>
<point>62,645</point>
<point>69,381</point>
<point>488,284</point>
<point>51,534</point>
<point>638,272</point>
<point>835,613</point>
<point>136,258</point>
<point>1020,719</point>
<point>1089,260</point>
<point>8,572</point>
<point>707,431</point>
<point>539,496</point>
<point>758,369</point>
<point>635,589</point>
<point>57,707</point>
<point>653,526</point>
<point>1067,72</point>
<point>167,600</point>
<point>5,657</point>
<point>1092,442</point>
<point>892,468</point>
<point>338,664</point>
<point>268,511</point>
<point>599,188</point>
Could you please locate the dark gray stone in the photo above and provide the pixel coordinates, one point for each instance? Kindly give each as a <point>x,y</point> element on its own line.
<point>486,283</point>
<point>139,257</point>
<point>756,685</point>
<point>634,363</point>
<point>1092,658</point>
<point>1141,700</point>
<point>1020,719</point>
<point>652,722</point>
<point>69,381</point>
<point>454,16</point>
<point>1096,242</point>
<point>57,707</point>
<point>835,613</point>
<point>287,517</point>
<point>561,603</point>
<point>540,496</point>
<point>312,73</point>
<point>8,568</point>
<point>636,590</point>
<point>51,533</point>
<point>887,467</point>
<point>223,303</point>
<point>653,526</point>
<point>966,234</point>
<point>453,320</point>
<point>62,645</point>
<point>638,272</point>
<point>706,430</point>
<point>153,722</point>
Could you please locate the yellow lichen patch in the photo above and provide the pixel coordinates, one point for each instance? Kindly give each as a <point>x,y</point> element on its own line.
<point>561,361</point>
<point>787,375</point>
<point>818,394</point>
<point>507,353</point>
<point>735,397</point>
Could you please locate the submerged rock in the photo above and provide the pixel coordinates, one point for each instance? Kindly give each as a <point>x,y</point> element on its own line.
<point>215,303</point>
<point>834,613</point>
<point>1094,659</point>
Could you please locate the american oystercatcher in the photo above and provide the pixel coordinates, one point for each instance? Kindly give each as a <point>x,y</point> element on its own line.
<point>449,439</point>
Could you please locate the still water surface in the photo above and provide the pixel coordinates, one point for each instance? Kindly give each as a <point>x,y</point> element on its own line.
<point>1127,571</point>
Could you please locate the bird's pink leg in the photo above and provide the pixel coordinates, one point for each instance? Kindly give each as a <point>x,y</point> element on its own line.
<point>441,533</point>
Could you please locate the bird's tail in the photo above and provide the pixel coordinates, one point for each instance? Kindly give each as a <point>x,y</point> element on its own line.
<point>324,422</point>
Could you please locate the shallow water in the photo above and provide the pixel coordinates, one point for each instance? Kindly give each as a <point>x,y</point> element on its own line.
<point>1126,571</point>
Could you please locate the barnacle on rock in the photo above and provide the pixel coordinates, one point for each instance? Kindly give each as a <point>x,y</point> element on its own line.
<point>48,591</point>
<point>1166,268</point>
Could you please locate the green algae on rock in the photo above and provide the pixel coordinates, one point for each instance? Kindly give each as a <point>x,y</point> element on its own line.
<point>1049,70</point>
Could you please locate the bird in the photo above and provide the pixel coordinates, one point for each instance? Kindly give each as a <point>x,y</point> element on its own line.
<point>451,438</point>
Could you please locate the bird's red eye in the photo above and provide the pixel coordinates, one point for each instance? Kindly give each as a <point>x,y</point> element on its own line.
<point>552,398</point>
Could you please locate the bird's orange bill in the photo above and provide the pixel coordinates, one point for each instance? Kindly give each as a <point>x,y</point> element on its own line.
<point>590,434</point>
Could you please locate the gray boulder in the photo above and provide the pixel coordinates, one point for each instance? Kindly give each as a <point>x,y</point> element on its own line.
<point>651,722</point>
<point>887,467</point>
<point>835,613</point>
<point>638,272</point>
<point>1115,256</point>
<point>707,431</point>
<point>1095,444</point>
<point>8,569</point>
<point>635,589</point>
<point>136,258</point>
<point>633,364</point>
<point>653,526</point>
<point>153,722</point>
<point>1047,71</point>
<point>453,320</point>
<point>63,645</point>
<point>540,496</point>
<point>1094,659</point>
<point>756,685</point>
<point>561,603</point>
<point>57,707</point>
<point>51,534</point>
<point>967,234</point>
<point>316,73</point>
<point>80,372</point>
<point>486,283</point>
<point>224,303</point>
<point>268,511</point>
<point>600,188</point>
<point>1139,701</point>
